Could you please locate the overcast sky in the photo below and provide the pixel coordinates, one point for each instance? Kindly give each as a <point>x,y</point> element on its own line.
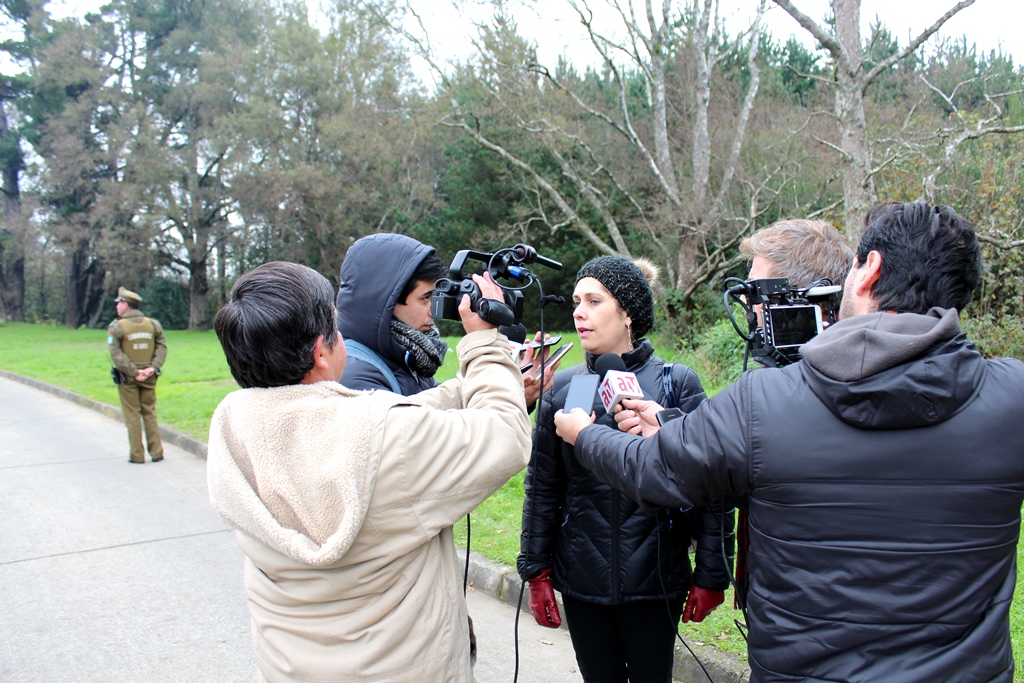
<point>988,23</point>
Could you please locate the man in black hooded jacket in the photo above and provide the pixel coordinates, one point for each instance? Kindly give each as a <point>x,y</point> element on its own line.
<point>382,273</point>
<point>384,317</point>
<point>885,473</point>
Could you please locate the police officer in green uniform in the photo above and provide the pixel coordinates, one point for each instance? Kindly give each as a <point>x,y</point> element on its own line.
<point>137,350</point>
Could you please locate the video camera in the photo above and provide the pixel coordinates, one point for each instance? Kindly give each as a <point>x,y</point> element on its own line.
<point>789,316</point>
<point>505,263</point>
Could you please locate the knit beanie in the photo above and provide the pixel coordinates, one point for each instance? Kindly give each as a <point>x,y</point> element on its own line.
<point>628,285</point>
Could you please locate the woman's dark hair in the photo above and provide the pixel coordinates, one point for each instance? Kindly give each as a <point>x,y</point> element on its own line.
<point>269,327</point>
<point>930,256</point>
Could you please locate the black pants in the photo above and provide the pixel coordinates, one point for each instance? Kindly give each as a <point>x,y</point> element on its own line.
<point>618,643</point>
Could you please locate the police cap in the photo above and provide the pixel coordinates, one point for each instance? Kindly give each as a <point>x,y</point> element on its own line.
<point>128,295</point>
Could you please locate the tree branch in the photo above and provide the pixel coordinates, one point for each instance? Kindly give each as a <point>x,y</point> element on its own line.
<point>748,105</point>
<point>827,40</point>
<point>914,44</point>
<point>548,188</point>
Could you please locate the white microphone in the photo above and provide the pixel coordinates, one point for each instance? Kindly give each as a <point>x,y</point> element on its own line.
<point>618,383</point>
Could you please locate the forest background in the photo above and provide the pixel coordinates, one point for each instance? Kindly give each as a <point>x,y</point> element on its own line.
<point>170,145</point>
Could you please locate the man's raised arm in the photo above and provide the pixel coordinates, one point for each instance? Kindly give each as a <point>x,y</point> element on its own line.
<point>692,460</point>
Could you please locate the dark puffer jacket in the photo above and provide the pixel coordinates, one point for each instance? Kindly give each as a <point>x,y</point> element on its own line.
<point>601,546</point>
<point>373,275</point>
<point>886,478</point>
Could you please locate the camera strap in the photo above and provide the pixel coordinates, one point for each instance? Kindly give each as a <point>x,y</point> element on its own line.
<point>365,353</point>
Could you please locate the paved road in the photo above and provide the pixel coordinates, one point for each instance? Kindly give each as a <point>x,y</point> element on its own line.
<point>119,572</point>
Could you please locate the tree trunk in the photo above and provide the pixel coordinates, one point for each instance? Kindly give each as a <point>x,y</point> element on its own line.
<point>659,97</point>
<point>222,277</point>
<point>72,267</point>
<point>198,286</point>
<point>83,285</point>
<point>701,133</point>
<point>12,243</point>
<point>858,188</point>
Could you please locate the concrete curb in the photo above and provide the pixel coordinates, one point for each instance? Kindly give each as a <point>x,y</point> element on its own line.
<point>494,579</point>
<point>168,434</point>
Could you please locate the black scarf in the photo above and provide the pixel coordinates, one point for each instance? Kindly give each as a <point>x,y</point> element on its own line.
<point>425,349</point>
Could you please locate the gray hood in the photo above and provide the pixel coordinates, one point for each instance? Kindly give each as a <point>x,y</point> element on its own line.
<point>893,371</point>
<point>377,267</point>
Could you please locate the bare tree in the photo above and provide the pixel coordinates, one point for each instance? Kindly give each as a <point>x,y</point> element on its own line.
<point>692,219</point>
<point>966,126</point>
<point>851,80</point>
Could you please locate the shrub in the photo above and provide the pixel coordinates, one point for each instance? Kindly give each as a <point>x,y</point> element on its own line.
<point>996,338</point>
<point>716,355</point>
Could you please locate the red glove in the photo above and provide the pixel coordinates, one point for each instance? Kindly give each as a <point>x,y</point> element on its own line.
<point>700,603</point>
<point>542,600</point>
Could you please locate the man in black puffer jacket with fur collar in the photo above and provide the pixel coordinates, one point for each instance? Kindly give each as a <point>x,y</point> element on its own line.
<point>885,470</point>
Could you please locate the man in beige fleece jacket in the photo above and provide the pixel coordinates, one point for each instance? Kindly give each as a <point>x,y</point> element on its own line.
<point>343,501</point>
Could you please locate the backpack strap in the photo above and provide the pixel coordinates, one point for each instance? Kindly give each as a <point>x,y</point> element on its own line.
<point>666,381</point>
<point>365,353</point>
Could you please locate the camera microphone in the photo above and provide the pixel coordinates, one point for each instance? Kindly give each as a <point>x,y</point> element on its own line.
<point>618,383</point>
<point>524,253</point>
<point>515,333</point>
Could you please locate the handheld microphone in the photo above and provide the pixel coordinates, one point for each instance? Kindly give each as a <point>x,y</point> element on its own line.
<point>516,336</point>
<point>618,383</point>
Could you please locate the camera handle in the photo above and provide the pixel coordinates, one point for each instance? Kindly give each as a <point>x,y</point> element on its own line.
<point>495,312</point>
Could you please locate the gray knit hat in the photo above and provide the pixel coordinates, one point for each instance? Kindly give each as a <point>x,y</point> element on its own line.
<point>628,285</point>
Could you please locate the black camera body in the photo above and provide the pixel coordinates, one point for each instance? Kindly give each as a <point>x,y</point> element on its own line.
<point>780,318</point>
<point>505,263</point>
<point>448,292</point>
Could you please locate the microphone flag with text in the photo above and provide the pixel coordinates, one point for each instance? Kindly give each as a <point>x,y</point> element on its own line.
<point>617,382</point>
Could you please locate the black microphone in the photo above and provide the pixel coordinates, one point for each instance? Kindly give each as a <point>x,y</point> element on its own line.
<point>608,361</point>
<point>516,336</point>
<point>583,388</point>
<point>515,333</point>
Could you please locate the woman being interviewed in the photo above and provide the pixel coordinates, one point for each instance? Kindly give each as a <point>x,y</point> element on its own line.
<point>624,574</point>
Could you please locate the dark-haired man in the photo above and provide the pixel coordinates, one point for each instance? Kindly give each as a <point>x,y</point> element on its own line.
<point>343,500</point>
<point>384,307</point>
<point>884,473</point>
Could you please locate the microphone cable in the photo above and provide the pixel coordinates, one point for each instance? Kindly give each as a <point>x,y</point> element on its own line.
<point>544,301</point>
<point>668,607</point>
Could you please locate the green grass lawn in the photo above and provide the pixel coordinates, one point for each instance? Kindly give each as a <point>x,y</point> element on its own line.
<point>195,379</point>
